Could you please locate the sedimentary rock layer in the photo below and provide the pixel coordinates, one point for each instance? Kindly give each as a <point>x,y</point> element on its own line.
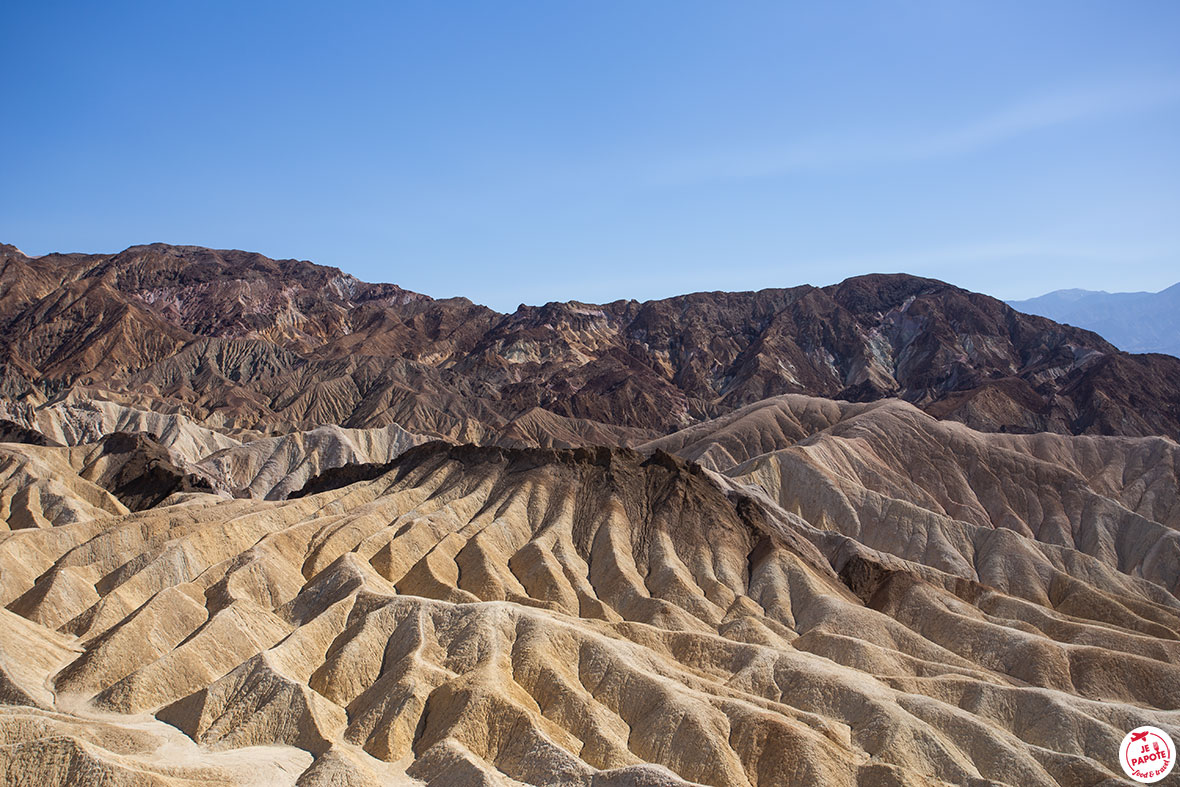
<point>874,601</point>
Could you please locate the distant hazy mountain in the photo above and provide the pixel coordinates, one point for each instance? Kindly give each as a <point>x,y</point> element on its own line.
<point>1138,322</point>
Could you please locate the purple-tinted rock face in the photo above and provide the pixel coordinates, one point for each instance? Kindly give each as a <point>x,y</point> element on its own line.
<point>287,344</point>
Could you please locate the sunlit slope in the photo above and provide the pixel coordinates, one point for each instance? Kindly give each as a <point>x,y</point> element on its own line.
<point>600,616</point>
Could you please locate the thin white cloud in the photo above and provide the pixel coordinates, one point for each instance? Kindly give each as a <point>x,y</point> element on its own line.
<point>1047,112</point>
<point>886,147</point>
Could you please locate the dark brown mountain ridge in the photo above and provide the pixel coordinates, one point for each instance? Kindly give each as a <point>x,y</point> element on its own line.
<point>721,538</point>
<point>274,346</point>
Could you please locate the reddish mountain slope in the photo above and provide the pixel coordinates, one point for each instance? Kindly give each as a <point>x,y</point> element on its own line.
<point>278,345</point>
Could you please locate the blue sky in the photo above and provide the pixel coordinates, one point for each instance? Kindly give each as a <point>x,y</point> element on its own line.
<point>534,151</point>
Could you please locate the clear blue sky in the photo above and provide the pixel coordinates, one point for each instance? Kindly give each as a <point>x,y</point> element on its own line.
<point>534,151</point>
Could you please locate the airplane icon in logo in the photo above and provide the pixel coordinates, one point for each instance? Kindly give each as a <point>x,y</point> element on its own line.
<point>1138,736</point>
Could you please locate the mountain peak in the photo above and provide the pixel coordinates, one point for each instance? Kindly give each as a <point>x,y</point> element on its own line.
<point>7,249</point>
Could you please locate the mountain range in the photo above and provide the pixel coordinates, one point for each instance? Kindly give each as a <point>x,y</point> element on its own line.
<point>248,343</point>
<point>1138,322</point>
<point>265,523</point>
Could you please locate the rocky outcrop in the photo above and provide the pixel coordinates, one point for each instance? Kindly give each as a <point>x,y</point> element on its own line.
<point>139,471</point>
<point>12,432</point>
<point>271,468</point>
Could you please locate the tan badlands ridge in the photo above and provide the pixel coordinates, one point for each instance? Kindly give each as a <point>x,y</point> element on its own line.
<point>802,592</point>
<point>264,523</point>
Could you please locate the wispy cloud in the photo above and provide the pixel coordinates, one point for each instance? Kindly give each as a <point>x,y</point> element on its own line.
<point>1046,112</point>
<point>885,146</point>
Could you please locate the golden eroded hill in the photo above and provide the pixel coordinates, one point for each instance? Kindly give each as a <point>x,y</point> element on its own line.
<point>865,596</point>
